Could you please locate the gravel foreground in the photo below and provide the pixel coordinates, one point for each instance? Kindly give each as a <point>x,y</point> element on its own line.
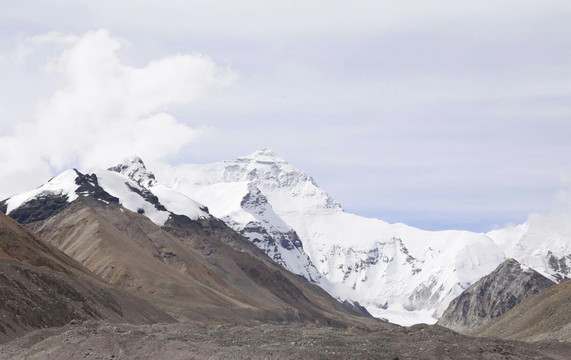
<point>194,340</point>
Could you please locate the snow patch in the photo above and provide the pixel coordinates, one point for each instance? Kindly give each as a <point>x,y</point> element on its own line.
<point>119,186</point>
<point>63,184</point>
<point>179,203</point>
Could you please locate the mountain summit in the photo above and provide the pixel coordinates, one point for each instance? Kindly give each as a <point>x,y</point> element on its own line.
<point>121,185</point>
<point>135,169</point>
<point>397,272</point>
<point>264,155</point>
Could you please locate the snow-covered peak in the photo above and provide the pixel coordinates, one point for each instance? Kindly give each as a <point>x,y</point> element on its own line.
<point>543,242</point>
<point>156,203</point>
<point>128,183</point>
<point>263,155</point>
<point>134,168</point>
<point>286,187</point>
<point>64,185</point>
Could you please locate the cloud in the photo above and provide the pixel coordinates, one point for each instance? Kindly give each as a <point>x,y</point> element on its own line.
<point>105,109</point>
<point>30,44</point>
<point>564,194</point>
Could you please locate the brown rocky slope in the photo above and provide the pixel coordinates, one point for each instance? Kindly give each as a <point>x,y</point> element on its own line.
<point>199,270</point>
<point>42,287</point>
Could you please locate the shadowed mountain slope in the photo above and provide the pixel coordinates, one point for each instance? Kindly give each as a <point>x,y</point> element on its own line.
<point>42,287</point>
<point>493,295</point>
<point>541,317</point>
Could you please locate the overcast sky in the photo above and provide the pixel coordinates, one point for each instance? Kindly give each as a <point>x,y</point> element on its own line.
<point>439,114</point>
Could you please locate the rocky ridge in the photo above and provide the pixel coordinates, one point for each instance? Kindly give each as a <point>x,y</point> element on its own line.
<point>493,295</point>
<point>545,316</point>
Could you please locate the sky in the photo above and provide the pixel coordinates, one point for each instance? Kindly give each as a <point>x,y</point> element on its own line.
<point>439,114</point>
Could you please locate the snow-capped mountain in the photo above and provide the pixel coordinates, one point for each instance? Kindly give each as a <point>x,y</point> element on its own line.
<point>119,184</point>
<point>543,242</point>
<point>397,272</point>
<point>241,204</point>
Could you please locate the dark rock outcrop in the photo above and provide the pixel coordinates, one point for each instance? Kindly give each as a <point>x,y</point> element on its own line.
<point>545,316</point>
<point>48,204</point>
<point>493,295</point>
<point>89,185</point>
<point>135,169</point>
<point>560,265</point>
<point>39,208</point>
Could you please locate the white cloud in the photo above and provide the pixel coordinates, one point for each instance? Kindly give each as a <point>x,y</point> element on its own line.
<point>106,109</point>
<point>30,44</point>
<point>22,167</point>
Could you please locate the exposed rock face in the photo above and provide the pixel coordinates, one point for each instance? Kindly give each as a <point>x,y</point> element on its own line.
<point>255,201</point>
<point>277,239</point>
<point>135,169</point>
<point>39,208</point>
<point>545,316</point>
<point>357,307</point>
<point>88,184</point>
<point>560,265</point>
<point>493,295</point>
